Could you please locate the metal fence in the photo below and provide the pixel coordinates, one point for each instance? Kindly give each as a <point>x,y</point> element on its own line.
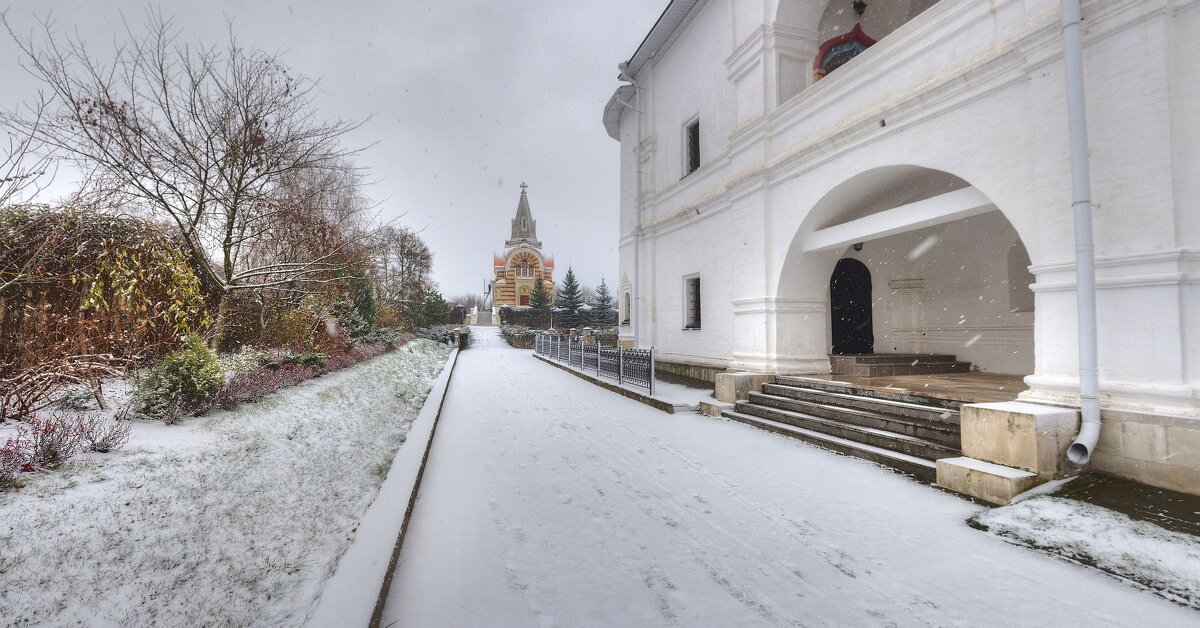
<point>627,366</point>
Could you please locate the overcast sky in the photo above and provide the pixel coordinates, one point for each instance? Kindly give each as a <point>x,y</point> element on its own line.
<point>469,98</point>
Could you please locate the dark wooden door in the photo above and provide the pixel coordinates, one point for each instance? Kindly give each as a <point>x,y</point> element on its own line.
<point>850,308</point>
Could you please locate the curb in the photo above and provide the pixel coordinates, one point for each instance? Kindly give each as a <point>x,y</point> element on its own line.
<point>350,597</point>
<point>653,402</point>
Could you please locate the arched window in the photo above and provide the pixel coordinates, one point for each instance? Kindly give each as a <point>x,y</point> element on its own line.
<point>627,309</point>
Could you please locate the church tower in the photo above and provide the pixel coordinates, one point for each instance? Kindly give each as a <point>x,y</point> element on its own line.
<point>524,227</point>
<point>522,263</point>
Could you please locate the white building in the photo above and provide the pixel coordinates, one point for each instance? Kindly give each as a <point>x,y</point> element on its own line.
<point>938,160</point>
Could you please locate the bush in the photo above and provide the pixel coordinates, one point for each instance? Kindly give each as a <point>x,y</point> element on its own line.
<point>444,334</point>
<point>102,435</point>
<point>254,386</point>
<point>519,336</point>
<point>10,465</point>
<point>247,360</point>
<point>185,382</point>
<point>50,441</point>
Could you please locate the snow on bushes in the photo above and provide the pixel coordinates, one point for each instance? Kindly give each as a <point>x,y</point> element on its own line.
<point>185,382</point>
<point>250,386</point>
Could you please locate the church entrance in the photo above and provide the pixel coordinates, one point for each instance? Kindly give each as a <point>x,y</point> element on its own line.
<point>850,308</point>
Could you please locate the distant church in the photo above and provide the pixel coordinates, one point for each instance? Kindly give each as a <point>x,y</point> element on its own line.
<point>517,269</point>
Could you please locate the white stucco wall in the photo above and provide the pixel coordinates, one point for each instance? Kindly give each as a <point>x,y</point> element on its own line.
<point>967,88</point>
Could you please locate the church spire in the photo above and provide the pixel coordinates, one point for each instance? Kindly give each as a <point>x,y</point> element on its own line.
<point>524,227</point>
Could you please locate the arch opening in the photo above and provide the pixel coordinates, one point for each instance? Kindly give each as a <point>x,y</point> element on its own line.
<point>956,283</point>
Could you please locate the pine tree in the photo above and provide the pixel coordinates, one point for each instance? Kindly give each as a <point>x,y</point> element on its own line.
<point>539,300</point>
<point>570,299</point>
<point>604,304</point>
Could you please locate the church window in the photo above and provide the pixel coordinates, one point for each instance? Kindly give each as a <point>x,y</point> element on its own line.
<point>628,309</point>
<point>691,147</point>
<point>691,302</point>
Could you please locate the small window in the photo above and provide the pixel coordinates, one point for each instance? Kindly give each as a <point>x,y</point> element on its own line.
<point>628,309</point>
<point>691,302</point>
<point>692,147</point>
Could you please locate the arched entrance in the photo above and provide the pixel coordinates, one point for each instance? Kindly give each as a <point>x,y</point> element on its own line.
<point>910,262</point>
<point>850,308</point>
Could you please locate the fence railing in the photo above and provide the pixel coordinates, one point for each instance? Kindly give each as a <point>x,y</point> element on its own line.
<point>627,366</point>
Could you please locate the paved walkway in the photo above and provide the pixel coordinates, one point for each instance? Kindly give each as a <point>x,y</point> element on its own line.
<point>552,502</point>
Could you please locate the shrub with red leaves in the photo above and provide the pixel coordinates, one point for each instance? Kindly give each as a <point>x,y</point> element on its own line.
<point>53,440</point>
<point>255,385</point>
<point>11,461</point>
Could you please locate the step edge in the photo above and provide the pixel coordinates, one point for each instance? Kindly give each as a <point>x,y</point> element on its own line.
<point>845,442</point>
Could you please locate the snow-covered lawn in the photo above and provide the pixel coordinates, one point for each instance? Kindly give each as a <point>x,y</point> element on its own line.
<point>232,519</point>
<point>549,501</point>
<point>1166,562</point>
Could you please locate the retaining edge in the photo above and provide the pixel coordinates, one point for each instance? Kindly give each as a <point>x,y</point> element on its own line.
<point>348,597</point>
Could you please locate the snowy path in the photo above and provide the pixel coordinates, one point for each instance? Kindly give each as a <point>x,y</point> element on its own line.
<point>551,502</point>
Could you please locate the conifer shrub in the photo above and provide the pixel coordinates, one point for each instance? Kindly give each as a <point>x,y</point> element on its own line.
<point>185,382</point>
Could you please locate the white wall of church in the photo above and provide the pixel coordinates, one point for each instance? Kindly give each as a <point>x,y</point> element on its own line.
<point>969,88</point>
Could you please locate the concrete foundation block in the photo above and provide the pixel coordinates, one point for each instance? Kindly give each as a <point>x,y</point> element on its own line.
<point>734,387</point>
<point>992,483</point>
<point>1021,435</point>
<point>714,408</point>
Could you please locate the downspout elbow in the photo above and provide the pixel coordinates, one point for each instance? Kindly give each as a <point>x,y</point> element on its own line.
<point>1080,451</point>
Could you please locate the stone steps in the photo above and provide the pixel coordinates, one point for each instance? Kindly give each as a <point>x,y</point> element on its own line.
<point>896,428</point>
<point>942,432</point>
<point>882,438</point>
<point>845,388</point>
<point>938,415</point>
<point>919,468</point>
<point>893,364</point>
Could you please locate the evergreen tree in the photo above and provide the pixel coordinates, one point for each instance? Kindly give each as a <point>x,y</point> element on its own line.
<point>433,310</point>
<point>570,299</point>
<point>539,300</point>
<point>604,304</point>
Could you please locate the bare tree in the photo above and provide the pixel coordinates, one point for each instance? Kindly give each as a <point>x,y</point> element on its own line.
<point>403,271</point>
<point>468,300</point>
<point>204,137</point>
<point>23,174</point>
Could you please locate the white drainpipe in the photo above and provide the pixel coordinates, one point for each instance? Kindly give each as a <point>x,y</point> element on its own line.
<point>634,316</point>
<point>1085,255</point>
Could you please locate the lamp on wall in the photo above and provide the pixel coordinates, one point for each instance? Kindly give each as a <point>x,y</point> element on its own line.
<point>860,7</point>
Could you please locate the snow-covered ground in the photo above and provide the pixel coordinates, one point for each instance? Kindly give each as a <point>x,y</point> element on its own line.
<point>239,527</point>
<point>1165,561</point>
<point>549,501</point>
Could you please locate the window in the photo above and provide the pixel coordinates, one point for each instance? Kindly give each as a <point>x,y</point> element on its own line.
<point>691,302</point>
<point>691,147</point>
<point>628,309</point>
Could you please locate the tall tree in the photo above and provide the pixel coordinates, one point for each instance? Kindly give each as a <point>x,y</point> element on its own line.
<point>603,305</point>
<point>570,299</point>
<point>403,274</point>
<point>539,300</point>
<point>202,137</point>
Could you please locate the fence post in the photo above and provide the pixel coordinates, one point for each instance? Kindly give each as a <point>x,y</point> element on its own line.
<point>651,371</point>
<point>569,347</point>
<point>620,365</point>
